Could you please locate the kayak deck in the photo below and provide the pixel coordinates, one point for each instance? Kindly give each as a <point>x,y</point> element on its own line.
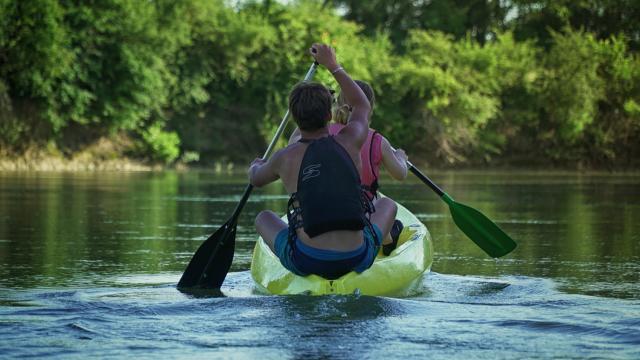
<point>393,275</point>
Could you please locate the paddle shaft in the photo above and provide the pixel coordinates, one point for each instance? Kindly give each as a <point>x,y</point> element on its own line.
<point>231,224</point>
<point>272,145</point>
<point>425,179</point>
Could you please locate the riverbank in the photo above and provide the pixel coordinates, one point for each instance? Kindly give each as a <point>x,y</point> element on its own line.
<point>116,155</point>
<point>103,155</point>
<point>50,163</point>
<point>91,160</point>
<point>47,162</point>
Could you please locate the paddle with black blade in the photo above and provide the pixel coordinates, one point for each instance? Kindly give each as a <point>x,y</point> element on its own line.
<point>484,232</point>
<point>211,262</point>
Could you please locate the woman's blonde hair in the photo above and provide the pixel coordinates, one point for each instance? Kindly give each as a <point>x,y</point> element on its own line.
<point>343,110</point>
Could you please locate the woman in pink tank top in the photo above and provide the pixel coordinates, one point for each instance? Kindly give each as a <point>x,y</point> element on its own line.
<point>375,151</point>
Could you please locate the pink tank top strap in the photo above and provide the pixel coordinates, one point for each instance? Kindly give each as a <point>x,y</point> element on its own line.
<point>371,156</point>
<point>334,128</point>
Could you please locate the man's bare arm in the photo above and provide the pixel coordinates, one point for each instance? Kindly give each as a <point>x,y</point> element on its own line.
<point>263,172</point>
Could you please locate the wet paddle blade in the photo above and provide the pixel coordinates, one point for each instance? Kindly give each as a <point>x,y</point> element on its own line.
<point>214,275</point>
<point>217,251</point>
<point>484,232</point>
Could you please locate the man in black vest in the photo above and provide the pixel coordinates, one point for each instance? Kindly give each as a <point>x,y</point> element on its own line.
<point>332,227</point>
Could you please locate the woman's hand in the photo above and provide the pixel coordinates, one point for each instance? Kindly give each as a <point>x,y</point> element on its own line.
<point>325,55</point>
<point>401,155</point>
<point>257,161</point>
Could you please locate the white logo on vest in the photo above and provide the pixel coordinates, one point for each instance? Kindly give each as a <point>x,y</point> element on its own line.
<point>310,171</point>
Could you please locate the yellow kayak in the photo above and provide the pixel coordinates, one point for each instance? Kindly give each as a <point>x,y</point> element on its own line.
<point>393,275</point>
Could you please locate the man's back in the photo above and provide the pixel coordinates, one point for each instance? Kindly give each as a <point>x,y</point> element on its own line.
<point>287,162</point>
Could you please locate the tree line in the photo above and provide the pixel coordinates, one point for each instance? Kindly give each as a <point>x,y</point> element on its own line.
<point>458,83</point>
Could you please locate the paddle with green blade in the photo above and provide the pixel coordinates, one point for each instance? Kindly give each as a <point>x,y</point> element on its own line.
<point>484,232</point>
<point>211,262</point>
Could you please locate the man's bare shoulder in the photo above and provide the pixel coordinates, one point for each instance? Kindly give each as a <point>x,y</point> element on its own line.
<point>285,156</point>
<point>288,162</point>
<point>290,152</point>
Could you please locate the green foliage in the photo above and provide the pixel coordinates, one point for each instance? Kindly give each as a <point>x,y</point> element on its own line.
<point>571,88</point>
<point>455,89</point>
<point>11,129</point>
<point>163,145</point>
<point>587,98</point>
<point>287,59</point>
<point>464,82</point>
<point>615,133</point>
<point>33,38</point>
<point>120,75</point>
<point>539,19</point>
<point>458,18</point>
<point>35,54</point>
<point>214,89</point>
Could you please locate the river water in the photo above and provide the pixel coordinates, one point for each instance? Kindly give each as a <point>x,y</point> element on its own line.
<point>89,263</point>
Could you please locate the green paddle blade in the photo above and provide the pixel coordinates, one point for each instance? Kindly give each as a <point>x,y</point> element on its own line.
<point>484,232</point>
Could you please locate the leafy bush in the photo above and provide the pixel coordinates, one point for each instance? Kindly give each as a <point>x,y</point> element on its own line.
<point>162,145</point>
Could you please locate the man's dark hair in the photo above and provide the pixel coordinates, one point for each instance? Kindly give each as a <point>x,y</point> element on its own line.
<point>310,105</point>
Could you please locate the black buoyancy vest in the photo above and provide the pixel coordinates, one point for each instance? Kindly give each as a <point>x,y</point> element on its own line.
<point>329,192</point>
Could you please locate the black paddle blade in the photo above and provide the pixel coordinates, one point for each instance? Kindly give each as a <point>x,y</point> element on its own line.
<point>214,275</point>
<point>484,232</point>
<point>211,262</point>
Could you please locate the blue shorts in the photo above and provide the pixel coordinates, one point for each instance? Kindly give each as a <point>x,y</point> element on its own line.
<point>302,259</point>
